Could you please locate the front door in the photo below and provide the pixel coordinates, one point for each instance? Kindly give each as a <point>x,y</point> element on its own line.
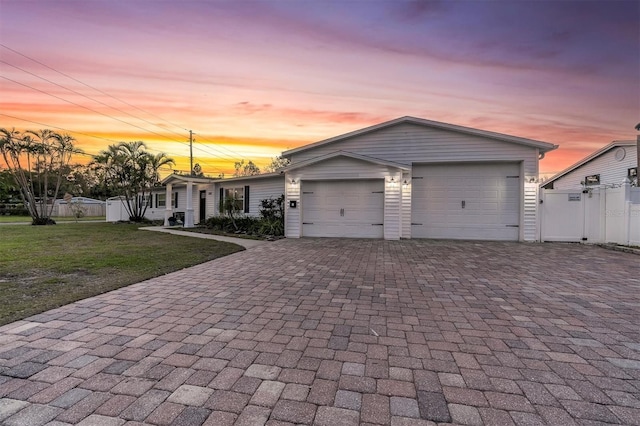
<point>203,206</point>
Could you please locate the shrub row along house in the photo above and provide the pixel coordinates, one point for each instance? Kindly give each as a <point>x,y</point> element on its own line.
<point>404,178</point>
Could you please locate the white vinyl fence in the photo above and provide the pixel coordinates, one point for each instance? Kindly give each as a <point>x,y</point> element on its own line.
<point>594,215</point>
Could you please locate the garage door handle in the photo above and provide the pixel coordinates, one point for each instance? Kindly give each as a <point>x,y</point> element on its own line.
<point>341,212</point>
<point>377,224</point>
<point>463,203</point>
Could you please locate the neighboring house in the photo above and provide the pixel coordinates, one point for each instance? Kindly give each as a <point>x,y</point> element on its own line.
<point>595,200</point>
<point>404,178</point>
<point>610,165</point>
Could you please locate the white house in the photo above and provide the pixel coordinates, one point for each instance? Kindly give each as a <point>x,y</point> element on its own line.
<point>404,178</point>
<point>407,178</point>
<point>610,165</point>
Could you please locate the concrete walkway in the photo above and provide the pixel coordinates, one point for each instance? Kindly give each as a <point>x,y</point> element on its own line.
<point>342,333</point>
<point>244,242</point>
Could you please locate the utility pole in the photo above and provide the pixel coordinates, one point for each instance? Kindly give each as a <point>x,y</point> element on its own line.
<point>190,153</point>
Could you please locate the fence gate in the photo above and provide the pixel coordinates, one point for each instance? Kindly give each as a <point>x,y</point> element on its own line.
<point>570,215</point>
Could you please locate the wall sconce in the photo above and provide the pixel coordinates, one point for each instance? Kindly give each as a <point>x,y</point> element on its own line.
<point>293,181</point>
<point>405,183</point>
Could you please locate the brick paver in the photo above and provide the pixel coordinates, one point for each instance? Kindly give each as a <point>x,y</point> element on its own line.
<point>332,332</point>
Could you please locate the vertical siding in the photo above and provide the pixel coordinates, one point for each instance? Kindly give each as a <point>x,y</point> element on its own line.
<point>611,171</point>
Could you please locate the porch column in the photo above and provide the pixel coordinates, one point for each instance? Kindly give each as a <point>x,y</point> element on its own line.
<point>188,217</point>
<point>168,210</point>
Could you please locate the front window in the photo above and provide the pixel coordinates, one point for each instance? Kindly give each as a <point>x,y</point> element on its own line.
<point>237,194</point>
<point>161,200</point>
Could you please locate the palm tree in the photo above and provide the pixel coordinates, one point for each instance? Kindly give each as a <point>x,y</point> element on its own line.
<point>132,172</point>
<point>33,158</point>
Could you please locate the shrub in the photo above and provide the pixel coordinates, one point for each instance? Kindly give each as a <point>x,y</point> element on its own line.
<point>270,222</point>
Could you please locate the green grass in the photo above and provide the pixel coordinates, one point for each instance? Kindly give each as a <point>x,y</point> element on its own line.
<point>43,267</point>
<point>16,219</point>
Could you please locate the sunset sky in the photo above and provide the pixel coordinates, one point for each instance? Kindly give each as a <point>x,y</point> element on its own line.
<point>254,78</point>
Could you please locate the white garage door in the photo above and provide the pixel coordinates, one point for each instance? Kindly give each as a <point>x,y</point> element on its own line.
<point>466,201</point>
<point>352,209</point>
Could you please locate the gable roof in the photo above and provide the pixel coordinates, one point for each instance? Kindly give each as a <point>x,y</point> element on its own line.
<point>542,146</point>
<point>587,159</point>
<point>178,178</point>
<point>348,154</point>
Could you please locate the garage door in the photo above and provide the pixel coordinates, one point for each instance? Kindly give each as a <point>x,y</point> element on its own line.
<point>466,201</point>
<point>353,208</point>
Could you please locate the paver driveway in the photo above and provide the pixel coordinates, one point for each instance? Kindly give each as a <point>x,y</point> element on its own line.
<point>343,332</point>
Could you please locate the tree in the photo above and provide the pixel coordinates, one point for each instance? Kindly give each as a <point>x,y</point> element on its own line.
<point>276,164</point>
<point>36,160</point>
<point>245,169</point>
<point>131,171</point>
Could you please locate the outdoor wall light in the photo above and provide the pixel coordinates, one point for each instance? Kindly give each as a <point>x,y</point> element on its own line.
<point>405,183</point>
<point>293,181</point>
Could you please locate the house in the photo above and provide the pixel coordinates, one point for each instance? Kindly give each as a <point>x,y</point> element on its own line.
<point>610,165</point>
<point>404,178</point>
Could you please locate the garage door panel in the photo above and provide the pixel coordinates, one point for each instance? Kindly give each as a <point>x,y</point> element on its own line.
<point>343,208</point>
<point>491,208</point>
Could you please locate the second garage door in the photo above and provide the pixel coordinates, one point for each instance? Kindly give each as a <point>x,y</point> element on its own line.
<point>353,208</point>
<point>466,201</point>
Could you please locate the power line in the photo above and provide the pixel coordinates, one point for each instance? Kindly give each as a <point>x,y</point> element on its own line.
<point>89,86</point>
<point>214,168</point>
<point>235,155</point>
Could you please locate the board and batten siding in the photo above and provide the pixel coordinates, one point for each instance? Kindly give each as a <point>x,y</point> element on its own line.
<point>259,189</point>
<point>408,143</point>
<point>611,171</point>
<point>344,168</point>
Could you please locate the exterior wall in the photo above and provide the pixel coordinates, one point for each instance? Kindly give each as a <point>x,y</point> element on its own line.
<point>611,171</point>
<point>408,143</point>
<point>344,168</point>
<point>259,189</point>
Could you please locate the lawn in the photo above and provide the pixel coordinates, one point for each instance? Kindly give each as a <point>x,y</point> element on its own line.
<point>43,267</point>
<point>15,219</point>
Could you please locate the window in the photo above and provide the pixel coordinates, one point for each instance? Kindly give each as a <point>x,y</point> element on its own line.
<point>175,200</point>
<point>239,194</point>
<point>592,180</point>
<point>161,200</point>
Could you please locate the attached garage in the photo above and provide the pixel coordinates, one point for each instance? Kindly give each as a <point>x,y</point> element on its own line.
<point>349,208</point>
<point>475,201</point>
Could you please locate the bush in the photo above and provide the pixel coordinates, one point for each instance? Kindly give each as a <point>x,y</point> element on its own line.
<point>11,209</point>
<point>270,222</point>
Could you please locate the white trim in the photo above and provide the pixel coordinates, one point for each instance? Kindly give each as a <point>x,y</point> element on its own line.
<point>348,154</point>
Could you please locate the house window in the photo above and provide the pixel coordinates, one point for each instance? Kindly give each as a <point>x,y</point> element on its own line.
<point>240,195</point>
<point>592,180</point>
<point>175,200</point>
<point>161,200</point>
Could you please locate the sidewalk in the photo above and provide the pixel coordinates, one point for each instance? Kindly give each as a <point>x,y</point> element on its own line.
<point>244,242</point>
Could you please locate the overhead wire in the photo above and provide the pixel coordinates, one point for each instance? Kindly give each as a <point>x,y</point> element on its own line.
<point>234,155</point>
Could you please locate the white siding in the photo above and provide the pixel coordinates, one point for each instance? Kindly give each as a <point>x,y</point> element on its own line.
<point>292,216</point>
<point>408,143</point>
<point>611,171</point>
<point>259,189</point>
<point>392,208</point>
<point>405,221</point>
